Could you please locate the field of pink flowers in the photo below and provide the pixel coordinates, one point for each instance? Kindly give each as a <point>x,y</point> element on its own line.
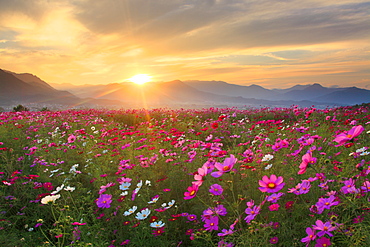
<point>210,177</point>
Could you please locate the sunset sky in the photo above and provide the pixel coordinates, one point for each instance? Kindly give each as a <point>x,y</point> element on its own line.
<point>272,43</point>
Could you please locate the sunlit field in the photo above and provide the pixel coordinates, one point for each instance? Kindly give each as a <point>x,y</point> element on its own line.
<point>211,177</point>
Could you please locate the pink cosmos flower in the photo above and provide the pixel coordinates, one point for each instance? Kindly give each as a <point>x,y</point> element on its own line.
<point>272,184</point>
<point>198,176</point>
<point>191,193</point>
<point>274,207</point>
<point>306,160</point>
<point>344,137</point>
<point>224,167</point>
<point>71,139</point>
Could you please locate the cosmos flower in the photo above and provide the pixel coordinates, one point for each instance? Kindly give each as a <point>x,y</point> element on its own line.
<point>226,166</point>
<point>251,213</point>
<point>274,197</point>
<point>211,223</point>
<point>349,187</point>
<point>124,186</point>
<point>216,189</point>
<point>191,193</point>
<point>156,224</point>
<point>104,201</point>
<point>130,211</point>
<point>307,159</point>
<point>325,203</point>
<point>310,236</point>
<point>344,137</point>
<point>272,184</point>
<point>71,138</point>
<point>50,198</point>
<point>323,242</point>
<point>143,214</point>
<point>324,228</point>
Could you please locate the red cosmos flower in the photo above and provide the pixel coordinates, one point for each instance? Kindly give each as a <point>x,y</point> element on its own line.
<point>48,186</point>
<point>342,138</point>
<point>153,219</point>
<point>289,204</point>
<point>272,184</point>
<point>158,231</point>
<point>214,125</point>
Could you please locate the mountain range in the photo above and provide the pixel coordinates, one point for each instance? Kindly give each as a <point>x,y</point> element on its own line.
<point>29,89</point>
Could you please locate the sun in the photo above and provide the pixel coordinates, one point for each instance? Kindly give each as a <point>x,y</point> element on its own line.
<point>140,79</point>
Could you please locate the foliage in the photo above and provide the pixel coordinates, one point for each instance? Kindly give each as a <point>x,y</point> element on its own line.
<point>20,108</point>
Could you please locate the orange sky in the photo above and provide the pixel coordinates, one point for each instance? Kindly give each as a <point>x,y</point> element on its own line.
<point>275,44</point>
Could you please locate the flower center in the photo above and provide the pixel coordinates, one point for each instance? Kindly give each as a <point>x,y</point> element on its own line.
<point>271,185</point>
<point>192,192</point>
<point>349,136</point>
<point>225,168</point>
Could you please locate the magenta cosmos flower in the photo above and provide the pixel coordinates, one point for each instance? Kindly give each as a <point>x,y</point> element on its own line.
<point>342,138</point>
<point>216,189</point>
<point>272,184</point>
<point>191,193</point>
<point>323,242</point>
<point>307,159</point>
<point>224,167</point>
<point>324,228</point>
<point>104,201</point>
<point>311,235</point>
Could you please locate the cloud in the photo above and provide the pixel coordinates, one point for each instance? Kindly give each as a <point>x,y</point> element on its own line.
<point>234,40</point>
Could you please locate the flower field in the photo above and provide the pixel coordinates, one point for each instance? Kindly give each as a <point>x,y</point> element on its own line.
<point>211,177</point>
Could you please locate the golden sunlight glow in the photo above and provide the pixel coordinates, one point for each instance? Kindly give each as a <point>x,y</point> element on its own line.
<point>140,79</point>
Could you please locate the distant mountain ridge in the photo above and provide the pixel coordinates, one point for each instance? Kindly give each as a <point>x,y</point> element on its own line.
<point>28,88</point>
<point>312,92</point>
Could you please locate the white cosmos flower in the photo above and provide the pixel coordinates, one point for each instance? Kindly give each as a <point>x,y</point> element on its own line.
<point>139,184</point>
<point>267,157</point>
<point>50,198</point>
<point>130,211</point>
<point>125,186</point>
<point>143,214</point>
<point>57,189</point>
<point>157,224</point>
<point>154,199</point>
<point>124,193</point>
<point>268,166</point>
<point>171,203</point>
<point>68,188</point>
